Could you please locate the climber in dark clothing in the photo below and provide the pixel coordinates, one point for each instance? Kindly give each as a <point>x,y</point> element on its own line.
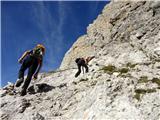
<point>81,63</point>
<point>33,61</point>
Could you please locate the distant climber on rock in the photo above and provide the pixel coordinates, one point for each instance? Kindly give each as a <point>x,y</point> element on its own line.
<point>31,59</point>
<point>82,62</point>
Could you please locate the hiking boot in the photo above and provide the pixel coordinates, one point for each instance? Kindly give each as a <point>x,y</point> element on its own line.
<point>23,92</point>
<point>19,82</point>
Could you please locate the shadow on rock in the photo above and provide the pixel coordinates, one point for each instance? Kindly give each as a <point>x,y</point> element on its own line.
<point>39,88</point>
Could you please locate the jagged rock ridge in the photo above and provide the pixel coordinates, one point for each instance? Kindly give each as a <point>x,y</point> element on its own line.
<point>124,77</point>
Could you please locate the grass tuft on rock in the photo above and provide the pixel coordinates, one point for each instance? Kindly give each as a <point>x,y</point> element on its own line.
<point>110,69</point>
<point>156,80</point>
<point>144,91</point>
<point>123,70</point>
<point>143,79</point>
<point>139,92</point>
<point>137,96</point>
<point>130,65</point>
<point>150,90</point>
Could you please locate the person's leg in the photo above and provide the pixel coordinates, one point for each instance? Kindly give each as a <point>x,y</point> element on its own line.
<point>22,70</point>
<point>83,69</point>
<point>24,66</point>
<point>31,71</point>
<point>79,70</point>
<point>86,67</point>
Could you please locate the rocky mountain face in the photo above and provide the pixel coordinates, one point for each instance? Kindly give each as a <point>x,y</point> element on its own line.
<point>123,80</point>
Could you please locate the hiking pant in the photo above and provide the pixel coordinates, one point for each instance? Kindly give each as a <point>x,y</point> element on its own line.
<point>81,63</point>
<point>31,63</point>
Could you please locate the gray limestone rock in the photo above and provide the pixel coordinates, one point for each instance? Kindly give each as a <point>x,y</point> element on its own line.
<point>123,81</point>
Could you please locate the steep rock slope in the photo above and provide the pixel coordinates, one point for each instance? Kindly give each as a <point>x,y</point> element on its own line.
<point>130,25</point>
<point>123,80</point>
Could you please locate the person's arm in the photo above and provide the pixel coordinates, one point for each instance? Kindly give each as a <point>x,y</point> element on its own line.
<point>88,59</point>
<point>23,56</point>
<point>38,69</point>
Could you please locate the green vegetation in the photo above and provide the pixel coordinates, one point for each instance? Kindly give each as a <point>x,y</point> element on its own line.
<point>143,91</point>
<point>139,92</point>
<point>150,90</point>
<point>110,69</point>
<point>137,96</point>
<point>123,70</point>
<point>157,81</point>
<point>143,79</point>
<point>130,65</point>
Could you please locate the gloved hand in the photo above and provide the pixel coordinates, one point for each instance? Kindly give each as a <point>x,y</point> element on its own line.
<point>20,60</point>
<point>35,76</point>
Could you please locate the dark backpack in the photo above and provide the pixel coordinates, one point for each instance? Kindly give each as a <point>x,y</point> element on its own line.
<point>37,52</point>
<point>77,60</point>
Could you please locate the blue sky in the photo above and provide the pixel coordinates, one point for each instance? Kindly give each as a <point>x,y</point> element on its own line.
<point>55,24</point>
